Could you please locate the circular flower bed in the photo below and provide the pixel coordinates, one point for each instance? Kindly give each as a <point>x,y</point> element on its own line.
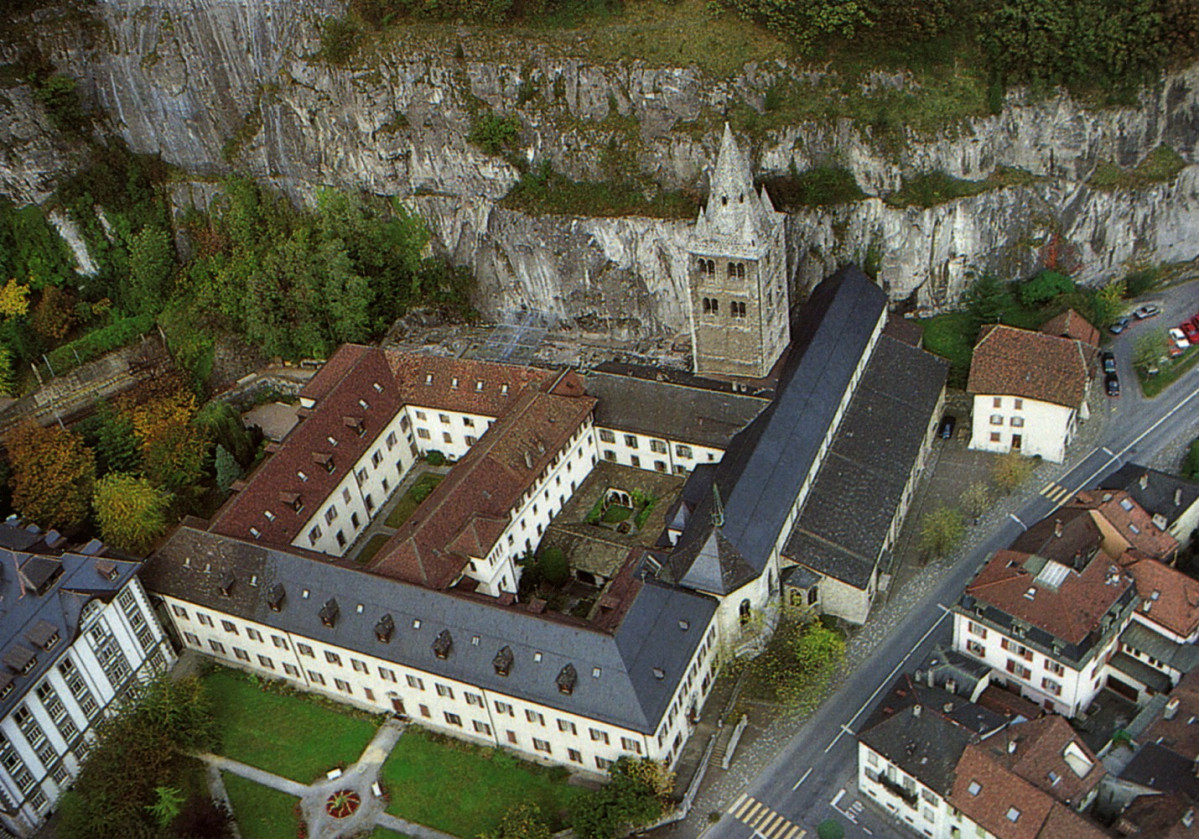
<point>343,803</point>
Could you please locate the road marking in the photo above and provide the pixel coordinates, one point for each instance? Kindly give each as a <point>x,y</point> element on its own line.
<point>1055,492</point>
<point>1109,452</point>
<point>1016,519</point>
<point>764,821</point>
<point>802,779</point>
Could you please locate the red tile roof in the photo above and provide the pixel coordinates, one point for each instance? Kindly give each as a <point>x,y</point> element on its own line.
<point>468,510</point>
<point>1180,733</point>
<point>471,387</point>
<point>1174,597</point>
<point>362,377</point>
<point>1036,752</point>
<point>333,371</point>
<point>1069,612</point>
<point>1016,362</point>
<point>1070,324</point>
<point>1130,520</point>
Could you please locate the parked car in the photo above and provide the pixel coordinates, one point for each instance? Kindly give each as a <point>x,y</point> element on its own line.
<point>1113,384</point>
<point>1178,342</point>
<point>1147,311</point>
<point>948,423</point>
<point>1109,362</point>
<point>1119,326</point>
<point>1191,330</point>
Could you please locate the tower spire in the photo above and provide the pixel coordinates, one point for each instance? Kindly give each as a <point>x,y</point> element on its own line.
<point>717,506</point>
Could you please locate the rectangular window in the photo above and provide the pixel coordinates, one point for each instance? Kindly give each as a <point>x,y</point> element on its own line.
<point>996,419</point>
<point>241,654</point>
<point>512,738</point>
<point>474,699</point>
<point>657,446</point>
<point>359,666</point>
<point>333,658</point>
<point>607,436</point>
<point>630,440</point>
<point>503,708</point>
<point>535,717</point>
<point>468,422</point>
<point>453,719</point>
<point>179,611</point>
<point>994,436</point>
<point>391,438</point>
<point>977,629</point>
<point>191,639</point>
<point>253,634</point>
<point>204,619</point>
<point>603,763</point>
<point>342,685</point>
<point>444,419</point>
<point>314,535</point>
<point>1018,670</point>
<point>1052,687</point>
<point>683,451</point>
<point>424,711</point>
<point>567,726</point>
<point>1054,668</point>
<point>446,691</point>
<point>630,745</point>
<point>997,402</point>
<point>387,674</point>
<point>423,433</point>
<point>542,746</point>
<point>266,662</point>
<point>481,727</point>
<point>1019,404</point>
<point>634,460</point>
<point>291,670</point>
<point>416,683</point>
<point>304,649</point>
<point>574,755</point>
<point>279,641</point>
<point>599,736</point>
<point>217,646</point>
<point>975,648</point>
<point>1017,422</point>
<point>316,678</point>
<point>331,514</point>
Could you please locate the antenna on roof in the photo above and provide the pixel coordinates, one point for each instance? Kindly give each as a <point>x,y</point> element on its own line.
<point>717,507</point>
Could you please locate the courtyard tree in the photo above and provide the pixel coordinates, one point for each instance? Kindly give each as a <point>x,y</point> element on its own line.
<point>131,512</point>
<point>53,473</point>
<point>976,500</point>
<point>1150,347</point>
<point>520,821</point>
<point>1011,470</point>
<point>942,531</point>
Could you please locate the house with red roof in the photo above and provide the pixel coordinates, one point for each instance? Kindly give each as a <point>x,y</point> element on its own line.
<point>1030,390</point>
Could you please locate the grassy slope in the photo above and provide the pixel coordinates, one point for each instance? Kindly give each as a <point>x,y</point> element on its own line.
<point>261,812</point>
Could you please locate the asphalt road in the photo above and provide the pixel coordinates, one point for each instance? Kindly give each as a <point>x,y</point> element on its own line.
<point>813,777</point>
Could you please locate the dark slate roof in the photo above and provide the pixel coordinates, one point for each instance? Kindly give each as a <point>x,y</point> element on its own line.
<point>844,524</point>
<point>710,563</point>
<point>799,577</point>
<point>924,730</point>
<point>1075,545</point>
<point>30,614</point>
<point>1181,657</point>
<point>1141,672</point>
<point>626,693</point>
<point>943,666</point>
<point>1164,770</point>
<point>1157,494</point>
<point>663,408</point>
<point>765,465</point>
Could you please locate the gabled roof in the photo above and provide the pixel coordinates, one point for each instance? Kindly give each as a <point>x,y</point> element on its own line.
<point>711,564</point>
<point>484,388</point>
<point>1048,754</point>
<point>1163,769</point>
<point>1179,733</point>
<point>1160,493</point>
<point>363,398</point>
<point>616,678</point>
<point>1066,603</point>
<point>1138,637</point>
<point>1168,597</point>
<point>1130,520</point>
<point>1016,362</point>
<point>766,464</point>
<point>1070,537</point>
<point>1070,324</point>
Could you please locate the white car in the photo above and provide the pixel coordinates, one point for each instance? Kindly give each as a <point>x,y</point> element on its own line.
<point>1178,341</point>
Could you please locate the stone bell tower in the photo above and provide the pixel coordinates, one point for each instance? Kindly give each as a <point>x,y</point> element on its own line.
<point>737,274</point>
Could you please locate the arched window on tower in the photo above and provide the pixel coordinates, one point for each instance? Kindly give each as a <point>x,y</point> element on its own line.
<point>745,612</point>
<point>707,306</point>
<point>711,267</point>
<point>715,306</point>
<point>736,270</point>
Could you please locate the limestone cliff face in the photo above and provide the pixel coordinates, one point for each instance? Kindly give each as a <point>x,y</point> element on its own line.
<point>213,84</point>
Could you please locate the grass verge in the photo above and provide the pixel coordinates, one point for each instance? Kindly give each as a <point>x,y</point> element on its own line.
<point>425,766</point>
<point>1169,373</point>
<point>261,812</point>
<point>373,546</point>
<point>289,735</point>
<point>412,499</point>
<point>933,188</point>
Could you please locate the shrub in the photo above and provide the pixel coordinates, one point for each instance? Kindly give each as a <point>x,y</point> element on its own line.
<point>435,458</point>
<point>942,531</point>
<point>60,97</point>
<point>493,133</point>
<point>1045,286</point>
<point>1011,470</point>
<point>95,344</point>
<point>815,187</point>
<point>1190,465</point>
<point>340,38</point>
<point>555,568</point>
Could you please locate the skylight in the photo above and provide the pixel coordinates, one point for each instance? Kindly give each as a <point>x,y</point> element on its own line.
<point>975,788</point>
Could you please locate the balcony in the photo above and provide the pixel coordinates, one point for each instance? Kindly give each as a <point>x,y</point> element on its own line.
<point>909,797</point>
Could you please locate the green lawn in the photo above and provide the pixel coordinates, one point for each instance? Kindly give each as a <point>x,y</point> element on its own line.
<point>952,335</point>
<point>261,812</point>
<point>292,736</point>
<point>412,498</point>
<point>422,769</point>
<point>372,547</point>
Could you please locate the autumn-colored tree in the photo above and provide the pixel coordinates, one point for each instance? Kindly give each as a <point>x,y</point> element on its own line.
<point>54,315</point>
<point>158,404</point>
<point>53,473</point>
<point>14,299</point>
<point>976,500</point>
<point>942,531</point>
<point>131,511</point>
<point>174,457</point>
<point>8,378</point>
<point>1011,470</point>
<point>520,821</point>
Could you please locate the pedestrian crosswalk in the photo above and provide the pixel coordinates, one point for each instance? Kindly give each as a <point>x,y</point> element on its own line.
<point>766,823</point>
<point>1055,492</point>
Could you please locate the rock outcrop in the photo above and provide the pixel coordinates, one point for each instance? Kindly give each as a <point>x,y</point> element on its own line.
<point>215,84</point>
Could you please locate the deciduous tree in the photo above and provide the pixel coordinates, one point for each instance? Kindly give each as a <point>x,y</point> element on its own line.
<point>131,511</point>
<point>1011,470</point>
<point>53,474</point>
<point>942,531</point>
<point>14,299</point>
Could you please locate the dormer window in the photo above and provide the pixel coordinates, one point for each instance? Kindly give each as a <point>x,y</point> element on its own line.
<point>255,532</point>
<point>478,387</point>
<point>364,405</point>
<point>384,628</point>
<point>355,424</point>
<point>293,500</point>
<point>51,643</point>
<point>568,677</point>
<point>659,673</point>
<point>275,597</point>
<point>269,515</point>
<point>302,477</point>
<point>227,582</point>
<point>428,378</point>
<point>504,389</point>
<point>503,661</point>
<point>329,612</point>
<point>107,569</point>
<point>454,383</point>
<point>443,644</point>
<point>324,459</point>
<point>378,387</point>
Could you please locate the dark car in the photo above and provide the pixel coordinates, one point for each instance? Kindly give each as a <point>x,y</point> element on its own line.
<point>1109,362</point>
<point>1113,384</point>
<point>948,424</point>
<point>1119,326</point>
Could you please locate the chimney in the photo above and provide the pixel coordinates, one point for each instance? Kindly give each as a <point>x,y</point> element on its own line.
<point>528,460</point>
<point>1171,709</point>
<point>1057,528</point>
<point>1011,747</point>
<point>1177,496</point>
<point>916,710</point>
<point>1144,480</point>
